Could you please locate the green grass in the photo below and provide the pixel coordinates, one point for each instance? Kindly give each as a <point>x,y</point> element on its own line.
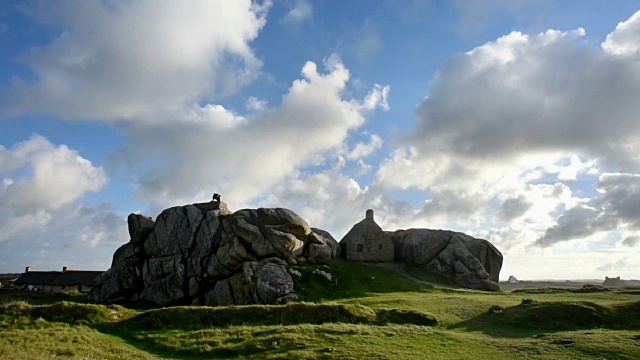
<point>420,274</point>
<point>386,317</point>
<point>351,280</point>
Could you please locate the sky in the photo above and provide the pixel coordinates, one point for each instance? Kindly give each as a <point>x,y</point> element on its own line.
<point>513,121</point>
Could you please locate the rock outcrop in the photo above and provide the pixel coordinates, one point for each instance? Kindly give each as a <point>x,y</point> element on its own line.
<point>471,262</point>
<point>204,254</point>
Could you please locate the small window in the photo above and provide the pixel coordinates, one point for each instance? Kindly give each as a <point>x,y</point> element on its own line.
<point>359,247</point>
<point>379,246</point>
<point>62,287</point>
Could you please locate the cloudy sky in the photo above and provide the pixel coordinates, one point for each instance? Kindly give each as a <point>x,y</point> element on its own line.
<point>514,121</point>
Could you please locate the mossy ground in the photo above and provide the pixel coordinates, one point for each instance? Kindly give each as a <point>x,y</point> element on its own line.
<point>386,317</point>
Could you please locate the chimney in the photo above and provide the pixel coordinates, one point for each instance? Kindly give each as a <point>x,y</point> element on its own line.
<point>369,214</point>
<point>65,269</point>
<point>27,269</point>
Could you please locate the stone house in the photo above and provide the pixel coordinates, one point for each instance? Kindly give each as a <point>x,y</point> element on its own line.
<point>66,280</point>
<point>366,241</point>
<point>613,282</point>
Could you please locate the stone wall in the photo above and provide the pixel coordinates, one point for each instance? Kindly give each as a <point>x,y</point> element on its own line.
<point>366,241</point>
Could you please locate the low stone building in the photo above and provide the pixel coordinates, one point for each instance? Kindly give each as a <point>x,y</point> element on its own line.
<point>613,282</point>
<point>57,281</point>
<point>366,241</point>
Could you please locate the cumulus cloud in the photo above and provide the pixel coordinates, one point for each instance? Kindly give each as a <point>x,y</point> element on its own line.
<point>57,176</point>
<point>42,220</point>
<point>41,179</point>
<point>155,69</point>
<point>242,162</point>
<point>333,201</point>
<point>136,59</point>
<point>510,129</point>
<point>624,41</point>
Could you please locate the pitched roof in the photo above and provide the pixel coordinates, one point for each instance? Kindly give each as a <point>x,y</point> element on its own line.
<point>367,226</point>
<point>613,281</point>
<point>37,278</point>
<point>71,277</point>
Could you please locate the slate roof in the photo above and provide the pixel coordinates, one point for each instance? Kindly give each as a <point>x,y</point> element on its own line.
<point>70,277</point>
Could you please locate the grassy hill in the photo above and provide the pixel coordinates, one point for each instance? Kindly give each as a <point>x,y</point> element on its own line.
<point>368,312</point>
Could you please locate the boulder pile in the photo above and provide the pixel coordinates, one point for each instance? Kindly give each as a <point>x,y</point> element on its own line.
<point>203,254</point>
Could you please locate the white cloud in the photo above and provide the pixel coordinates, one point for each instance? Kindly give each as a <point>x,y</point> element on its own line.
<point>123,59</point>
<point>44,180</point>
<point>624,41</point>
<point>300,11</point>
<point>511,129</point>
<point>362,150</point>
<point>334,202</point>
<point>57,176</point>
<point>532,94</point>
<point>191,159</point>
<point>364,168</point>
<point>255,104</point>
<point>79,236</point>
<point>377,97</point>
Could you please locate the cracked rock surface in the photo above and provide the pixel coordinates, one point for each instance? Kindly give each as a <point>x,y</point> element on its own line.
<point>204,254</point>
<point>471,262</point>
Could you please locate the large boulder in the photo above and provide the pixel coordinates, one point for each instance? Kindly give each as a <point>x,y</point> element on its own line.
<point>260,282</point>
<point>322,247</point>
<point>471,262</point>
<point>205,254</point>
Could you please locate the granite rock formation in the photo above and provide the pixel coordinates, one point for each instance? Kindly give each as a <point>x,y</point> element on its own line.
<point>471,262</point>
<point>204,254</point>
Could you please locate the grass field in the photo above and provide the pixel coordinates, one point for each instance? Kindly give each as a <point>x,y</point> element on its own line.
<point>369,313</point>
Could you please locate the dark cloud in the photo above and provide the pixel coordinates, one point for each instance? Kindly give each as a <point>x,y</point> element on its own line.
<point>631,241</point>
<point>576,223</point>
<point>513,208</point>
<point>619,207</point>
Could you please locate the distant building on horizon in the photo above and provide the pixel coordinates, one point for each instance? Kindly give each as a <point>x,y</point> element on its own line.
<point>66,280</point>
<point>613,282</point>
<point>512,280</point>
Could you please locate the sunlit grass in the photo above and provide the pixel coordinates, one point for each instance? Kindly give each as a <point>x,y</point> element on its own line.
<point>358,318</point>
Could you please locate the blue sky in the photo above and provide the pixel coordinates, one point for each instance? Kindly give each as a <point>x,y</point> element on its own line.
<point>514,121</point>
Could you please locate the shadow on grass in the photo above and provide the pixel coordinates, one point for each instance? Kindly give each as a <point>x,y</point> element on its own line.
<point>531,317</point>
<point>351,280</point>
<point>191,329</point>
